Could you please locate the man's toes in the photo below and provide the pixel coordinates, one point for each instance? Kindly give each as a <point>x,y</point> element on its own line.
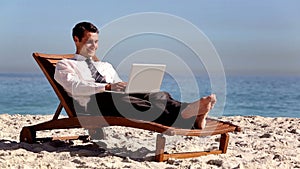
<point>205,100</point>
<point>213,98</point>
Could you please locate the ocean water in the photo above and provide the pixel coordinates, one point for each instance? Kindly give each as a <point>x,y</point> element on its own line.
<point>268,96</point>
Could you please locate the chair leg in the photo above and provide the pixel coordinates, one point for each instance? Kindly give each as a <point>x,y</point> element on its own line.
<point>57,112</point>
<point>224,142</point>
<point>28,135</point>
<point>160,148</point>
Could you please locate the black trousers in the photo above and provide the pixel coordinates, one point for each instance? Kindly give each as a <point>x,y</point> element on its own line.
<point>157,107</point>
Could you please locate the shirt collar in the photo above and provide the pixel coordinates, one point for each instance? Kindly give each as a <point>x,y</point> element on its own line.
<point>79,57</point>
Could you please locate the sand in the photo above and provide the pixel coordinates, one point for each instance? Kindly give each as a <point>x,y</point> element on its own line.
<point>263,143</point>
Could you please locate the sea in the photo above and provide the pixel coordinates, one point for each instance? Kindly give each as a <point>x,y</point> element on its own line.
<point>268,96</point>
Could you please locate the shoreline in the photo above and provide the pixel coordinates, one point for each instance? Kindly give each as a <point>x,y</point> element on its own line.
<point>264,142</point>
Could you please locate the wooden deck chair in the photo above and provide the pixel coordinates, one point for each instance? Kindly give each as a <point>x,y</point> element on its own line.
<point>47,63</point>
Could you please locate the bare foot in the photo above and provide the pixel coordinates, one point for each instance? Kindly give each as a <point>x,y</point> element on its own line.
<point>200,108</point>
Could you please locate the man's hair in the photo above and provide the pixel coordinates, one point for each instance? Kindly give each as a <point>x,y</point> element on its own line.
<point>79,29</point>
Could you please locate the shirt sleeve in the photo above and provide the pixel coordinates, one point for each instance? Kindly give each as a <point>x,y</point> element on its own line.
<point>67,77</point>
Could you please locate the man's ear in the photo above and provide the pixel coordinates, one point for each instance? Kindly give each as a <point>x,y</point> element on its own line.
<point>76,39</point>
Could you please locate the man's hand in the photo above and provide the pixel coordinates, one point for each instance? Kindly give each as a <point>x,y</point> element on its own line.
<point>120,86</point>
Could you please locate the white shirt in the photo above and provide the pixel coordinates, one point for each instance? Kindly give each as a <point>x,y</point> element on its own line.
<point>75,77</point>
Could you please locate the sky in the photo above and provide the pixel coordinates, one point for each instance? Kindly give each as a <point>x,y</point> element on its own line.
<point>251,37</point>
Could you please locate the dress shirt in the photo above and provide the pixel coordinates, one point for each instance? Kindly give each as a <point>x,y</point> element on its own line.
<point>75,77</point>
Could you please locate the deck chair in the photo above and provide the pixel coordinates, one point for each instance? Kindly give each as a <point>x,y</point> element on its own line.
<point>47,63</point>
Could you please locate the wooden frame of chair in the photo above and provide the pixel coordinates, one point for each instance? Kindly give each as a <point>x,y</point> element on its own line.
<point>47,63</point>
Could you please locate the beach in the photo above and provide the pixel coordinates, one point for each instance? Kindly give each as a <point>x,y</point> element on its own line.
<point>263,143</point>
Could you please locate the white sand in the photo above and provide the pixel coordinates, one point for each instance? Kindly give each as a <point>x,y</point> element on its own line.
<point>263,143</point>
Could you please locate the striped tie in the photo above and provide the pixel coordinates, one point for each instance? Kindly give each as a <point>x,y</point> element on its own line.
<point>95,74</point>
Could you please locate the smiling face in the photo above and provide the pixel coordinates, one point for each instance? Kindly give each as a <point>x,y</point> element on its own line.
<point>88,45</point>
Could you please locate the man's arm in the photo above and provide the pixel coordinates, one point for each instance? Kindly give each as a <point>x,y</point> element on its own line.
<point>120,86</point>
<point>66,76</point>
<point>116,83</point>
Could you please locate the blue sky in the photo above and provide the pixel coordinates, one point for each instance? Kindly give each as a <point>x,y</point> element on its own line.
<point>251,37</point>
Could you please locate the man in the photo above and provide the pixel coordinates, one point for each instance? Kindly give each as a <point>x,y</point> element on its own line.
<point>87,81</point>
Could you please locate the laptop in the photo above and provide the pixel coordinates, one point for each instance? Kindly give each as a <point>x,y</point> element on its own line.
<point>144,78</point>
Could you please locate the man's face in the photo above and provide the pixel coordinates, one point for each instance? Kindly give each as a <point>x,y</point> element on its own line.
<point>88,45</point>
